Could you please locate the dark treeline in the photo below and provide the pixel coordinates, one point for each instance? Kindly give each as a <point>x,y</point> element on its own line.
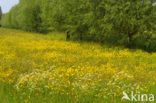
<point>130,23</point>
<point>0,14</point>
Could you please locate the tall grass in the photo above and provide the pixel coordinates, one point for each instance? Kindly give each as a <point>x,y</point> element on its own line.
<point>37,68</point>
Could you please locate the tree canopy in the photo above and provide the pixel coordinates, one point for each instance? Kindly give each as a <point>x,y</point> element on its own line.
<point>124,22</point>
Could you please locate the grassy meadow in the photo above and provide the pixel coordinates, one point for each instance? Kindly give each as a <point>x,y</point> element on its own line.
<point>37,68</point>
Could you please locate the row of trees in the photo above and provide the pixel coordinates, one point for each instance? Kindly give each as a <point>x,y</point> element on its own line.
<point>125,22</point>
<point>0,13</point>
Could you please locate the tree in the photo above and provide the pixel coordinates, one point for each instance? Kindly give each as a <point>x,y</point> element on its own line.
<point>105,21</point>
<point>0,13</point>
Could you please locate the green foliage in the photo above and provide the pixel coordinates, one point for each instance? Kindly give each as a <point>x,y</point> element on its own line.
<point>129,18</point>
<point>116,22</point>
<point>25,15</point>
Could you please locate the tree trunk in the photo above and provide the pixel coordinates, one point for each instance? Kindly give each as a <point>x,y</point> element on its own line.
<point>80,36</point>
<point>100,40</point>
<point>0,13</point>
<point>68,36</point>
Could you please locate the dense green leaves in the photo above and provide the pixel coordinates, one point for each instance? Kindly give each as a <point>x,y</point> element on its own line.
<point>120,22</point>
<point>25,15</point>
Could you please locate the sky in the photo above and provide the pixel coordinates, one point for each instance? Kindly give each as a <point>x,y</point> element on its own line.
<point>6,5</point>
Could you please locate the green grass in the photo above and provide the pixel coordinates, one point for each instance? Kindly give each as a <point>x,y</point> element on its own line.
<point>81,74</point>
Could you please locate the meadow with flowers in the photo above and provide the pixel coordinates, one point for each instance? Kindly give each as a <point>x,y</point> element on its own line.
<point>37,68</point>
